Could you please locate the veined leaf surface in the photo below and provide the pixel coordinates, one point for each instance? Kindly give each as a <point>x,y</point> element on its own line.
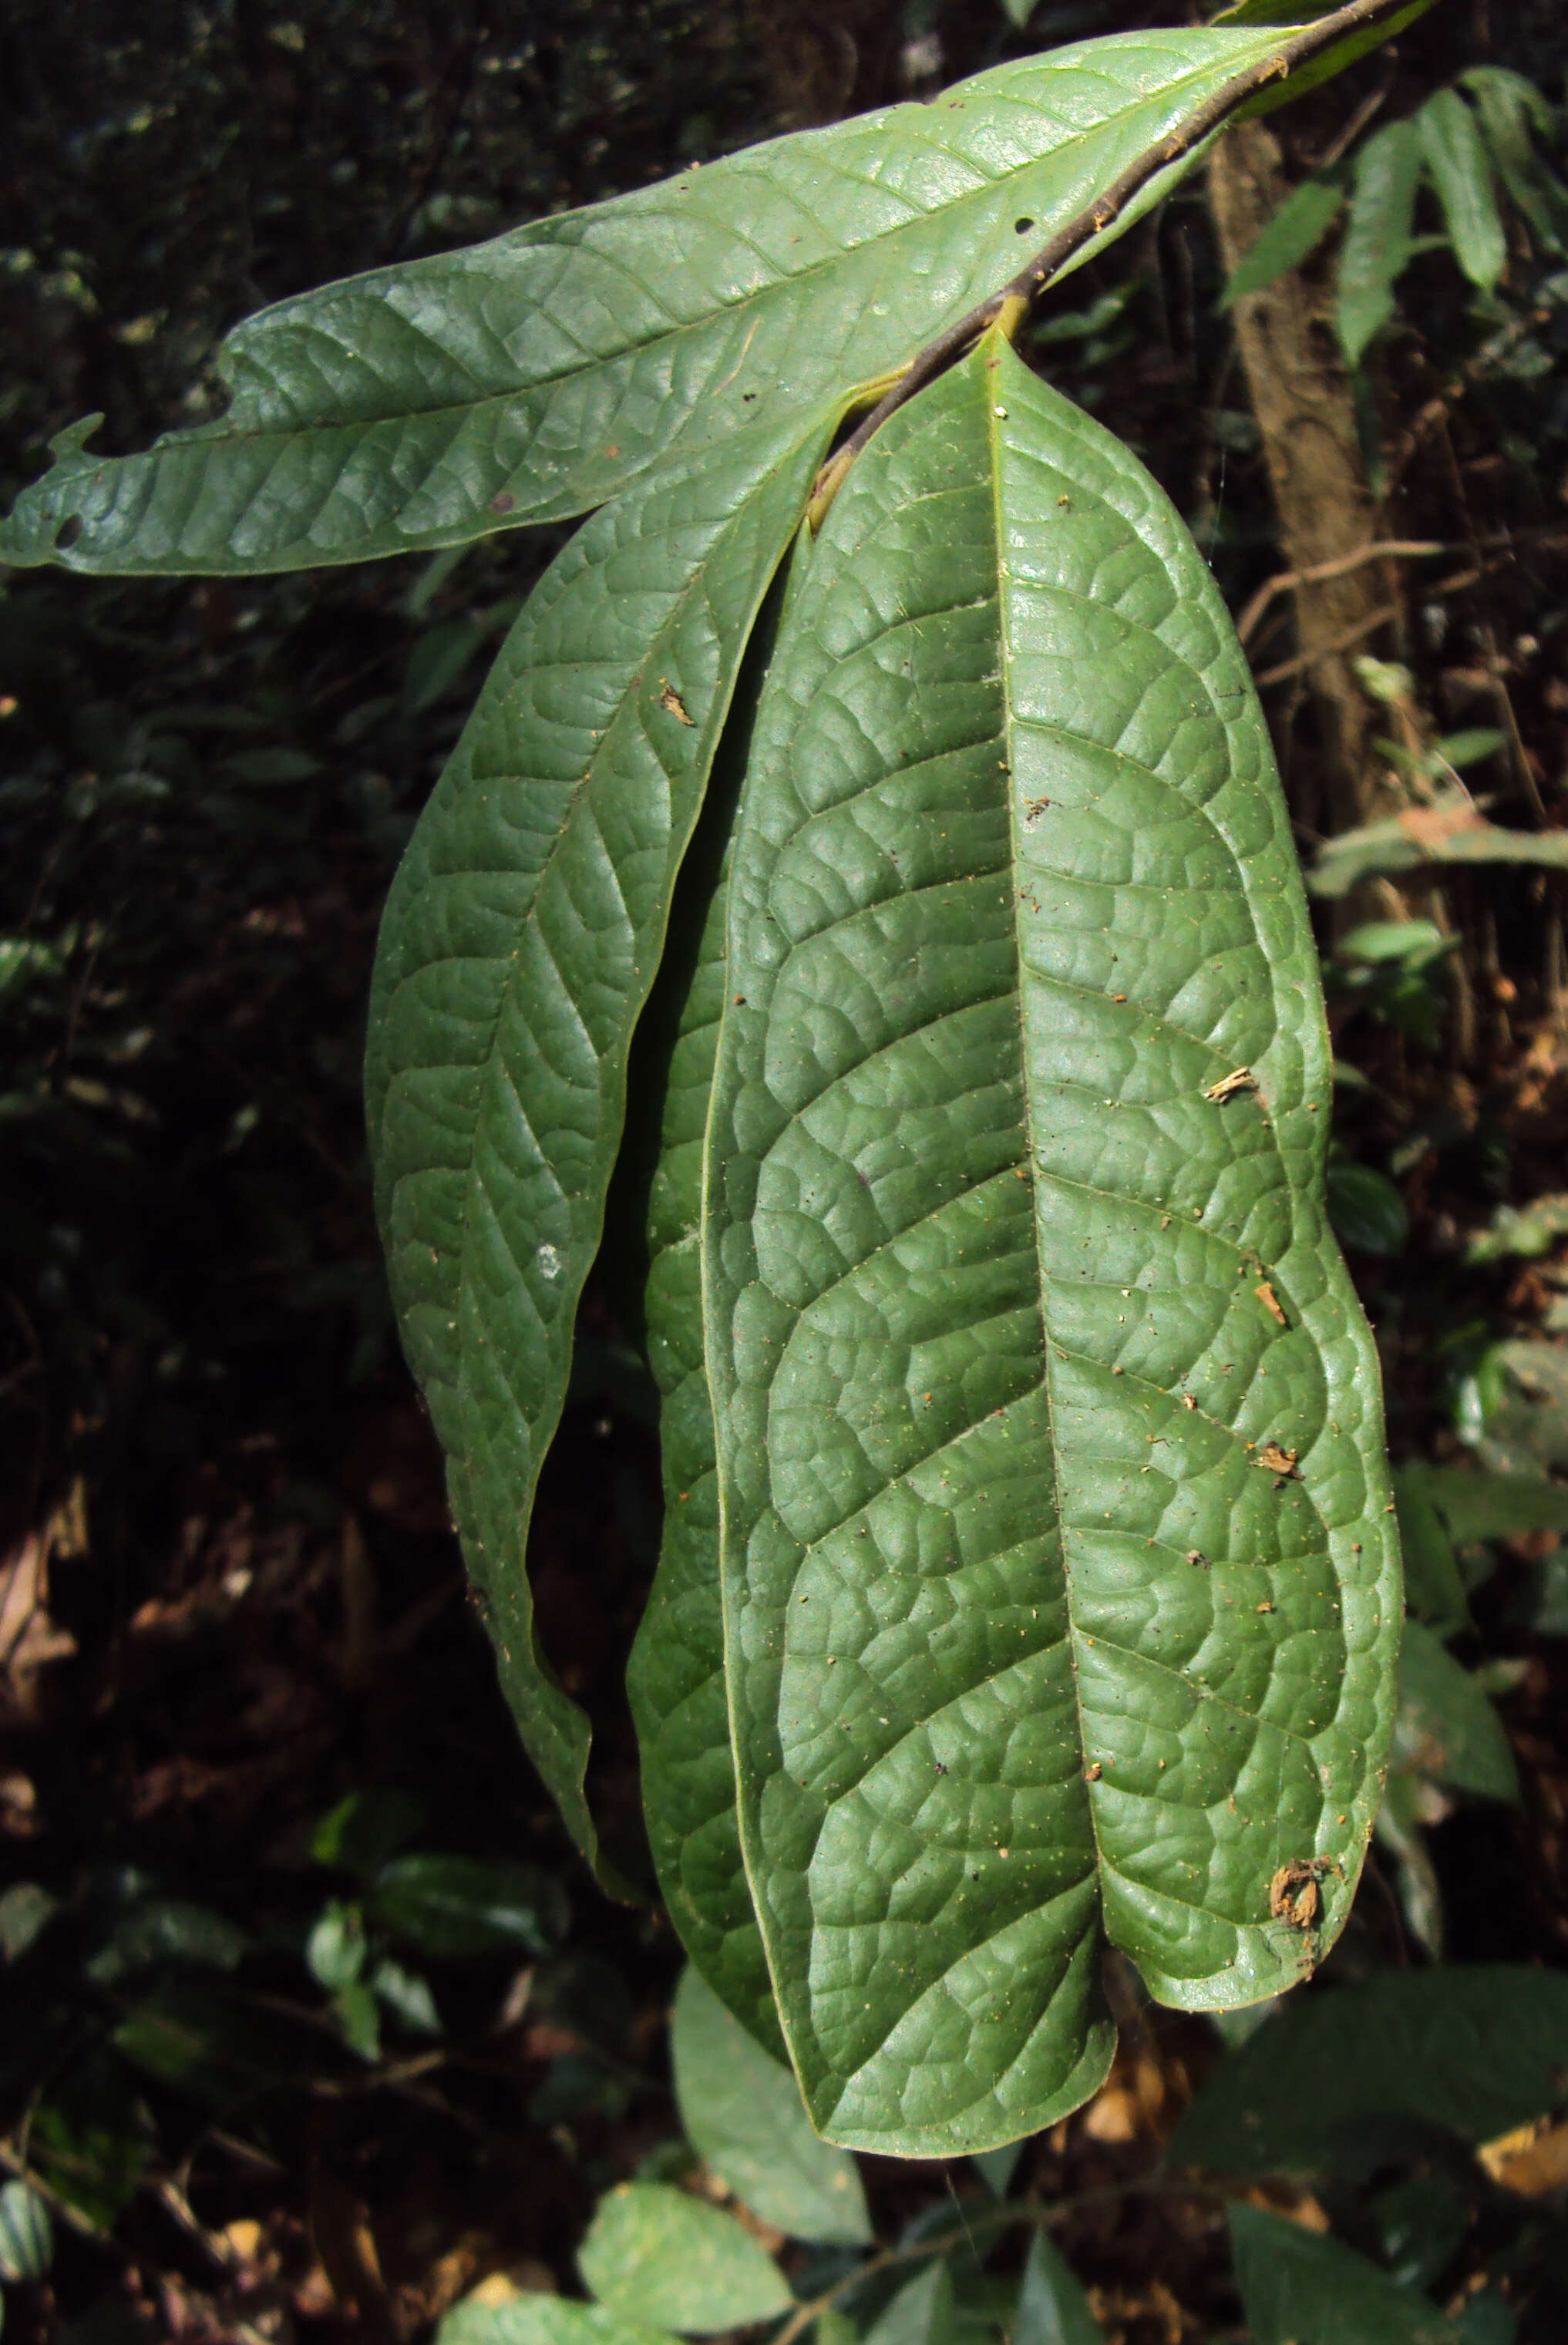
<point>535,376</point>
<point>1060,1592</point>
<point>519,944</point>
<point>676,1675</point>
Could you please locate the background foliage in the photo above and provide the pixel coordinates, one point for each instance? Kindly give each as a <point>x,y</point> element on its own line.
<point>288,2064</point>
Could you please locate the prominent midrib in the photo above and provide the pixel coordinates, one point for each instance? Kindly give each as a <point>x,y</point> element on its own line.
<point>994,414</point>
<point>787,282</point>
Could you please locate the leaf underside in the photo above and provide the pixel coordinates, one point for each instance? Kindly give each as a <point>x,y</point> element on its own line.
<point>537,375</point>
<point>1060,1593</point>
<point>519,943</point>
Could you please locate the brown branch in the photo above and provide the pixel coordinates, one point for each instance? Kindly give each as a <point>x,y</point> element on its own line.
<point>1339,642</point>
<point>1301,48</point>
<point>1288,580</point>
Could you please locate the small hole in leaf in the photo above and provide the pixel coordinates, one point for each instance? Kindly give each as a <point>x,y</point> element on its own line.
<point>70,529</point>
<point>1022,227</point>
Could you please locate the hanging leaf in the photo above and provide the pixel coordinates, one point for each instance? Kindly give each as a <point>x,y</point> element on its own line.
<point>27,2234</point>
<point>519,944</point>
<point>531,378</point>
<point>1378,234</point>
<point>1297,2284</point>
<point>1462,174</point>
<point>445,1904</point>
<point>655,2254</point>
<point>743,2115</point>
<point>1046,1415</point>
<point>1513,115</point>
<point>1295,232</point>
<point>1341,2081</point>
<point>676,1675</point>
<point>922,2312</point>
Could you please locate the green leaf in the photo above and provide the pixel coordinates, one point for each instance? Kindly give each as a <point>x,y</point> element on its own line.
<point>1476,1504</point>
<point>367,1828</point>
<point>1433,1588</point>
<point>27,1909</point>
<point>536,2320</point>
<point>1343,2080</point>
<point>922,2312</point>
<point>355,2010</point>
<point>1461,171</point>
<point>675,1676</point>
<point>1429,835</point>
<point>1367,1210</point>
<point>655,2254</point>
<point>1297,229</point>
<point>1378,233</point>
<point>1520,1232</point>
<point>520,940</point>
<point>1020,1297</point>
<point>197,2040</point>
<point>335,1949</point>
<point>1525,1427</point>
<point>1052,2309</point>
<point>27,2234</point>
<point>743,2114</point>
<point>1299,2288</point>
<point>445,1904</point>
<point>407,1996</point>
<point>1513,115</point>
<point>533,377</point>
<point>1447,1728</point>
<point>168,1930</point>
<point>91,2137</point>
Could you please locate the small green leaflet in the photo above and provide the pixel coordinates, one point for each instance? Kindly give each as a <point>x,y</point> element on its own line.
<point>1060,1592</point>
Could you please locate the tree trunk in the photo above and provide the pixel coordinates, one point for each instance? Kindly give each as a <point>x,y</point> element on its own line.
<point>1301,398</point>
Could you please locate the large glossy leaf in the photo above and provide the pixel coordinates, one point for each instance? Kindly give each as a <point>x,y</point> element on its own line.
<point>1340,2081</point>
<point>519,944</point>
<point>535,376</point>
<point>1060,1583</point>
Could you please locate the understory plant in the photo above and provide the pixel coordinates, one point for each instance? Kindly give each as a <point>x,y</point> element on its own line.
<point>864,876</point>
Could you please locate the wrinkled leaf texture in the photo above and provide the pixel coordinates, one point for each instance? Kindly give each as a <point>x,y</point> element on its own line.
<point>539,374</point>
<point>939,1142</point>
<point>1028,1642</point>
<point>529,915</point>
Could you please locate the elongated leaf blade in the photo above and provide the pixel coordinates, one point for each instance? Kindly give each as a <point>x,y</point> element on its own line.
<point>1297,2284</point>
<point>1296,231</point>
<point>1061,1602</point>
<point>1461,170</point>
<point>1341,2080</point>
<point>676,1675</point>
<point>519,944</point>
<point>536,376</point>
<point>1377,234</point>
